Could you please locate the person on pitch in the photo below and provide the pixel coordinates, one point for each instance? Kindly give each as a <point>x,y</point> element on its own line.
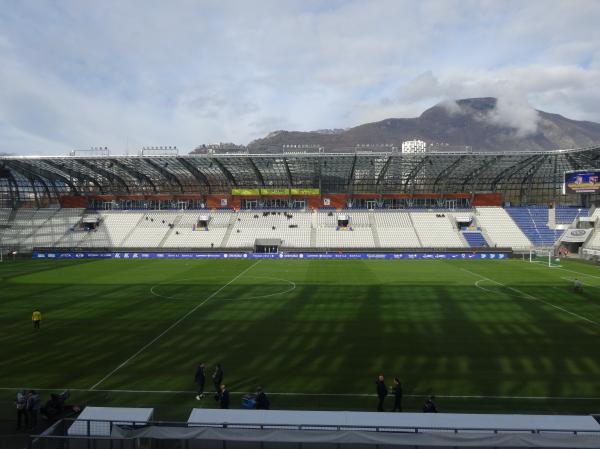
<point>223,396</point>
<point>36,318</point>
<point>430,406</point>
<point>382,392</point>
<point>217,378</point>
<point>577,285</point>
<point>262,401</point>
<point>199,379</point>
<point>397,389</point>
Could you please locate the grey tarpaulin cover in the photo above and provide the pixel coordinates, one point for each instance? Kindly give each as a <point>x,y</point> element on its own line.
<point>350,437</point>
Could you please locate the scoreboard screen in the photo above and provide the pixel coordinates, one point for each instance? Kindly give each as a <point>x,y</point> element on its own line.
<point>584,181</point>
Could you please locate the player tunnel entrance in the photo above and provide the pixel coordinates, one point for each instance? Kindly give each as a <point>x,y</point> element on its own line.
<point>267,245</point>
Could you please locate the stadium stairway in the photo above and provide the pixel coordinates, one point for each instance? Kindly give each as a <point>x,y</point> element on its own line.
<point>475,239</point>
<point>170,231</point>
<point>313,237</point>
<point>374,230</point>
<point>412,225</point>
<point>230,226</point>
<point>533,221</point>
<point>131,231</point>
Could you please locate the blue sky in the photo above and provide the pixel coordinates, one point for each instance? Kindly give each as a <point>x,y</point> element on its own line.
<point>127,74</point>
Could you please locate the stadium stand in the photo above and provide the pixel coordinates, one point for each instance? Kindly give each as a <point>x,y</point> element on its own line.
<point>475,239</point>
<point>195,238</point>
<point>594,241</point>
<point>355,238</point>
<point>436,231</point>
<point>395,230</point>
<point>568,214</point>
<point>4,216</point>
<point>401,229</point>
<point>533,221</point>
<point>501,229</point>
<point>151,230</point>
<point>415,201</point>
<point>51,230</point>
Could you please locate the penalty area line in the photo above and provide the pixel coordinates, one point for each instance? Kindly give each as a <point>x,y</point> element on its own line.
<point>176,323</point>
<point>365,395</point>
<point>528,296</point>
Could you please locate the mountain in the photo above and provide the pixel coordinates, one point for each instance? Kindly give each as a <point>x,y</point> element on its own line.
<point>483,124</point>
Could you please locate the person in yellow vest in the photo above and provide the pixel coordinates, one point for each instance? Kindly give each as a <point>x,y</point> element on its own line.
<point>36,317</point>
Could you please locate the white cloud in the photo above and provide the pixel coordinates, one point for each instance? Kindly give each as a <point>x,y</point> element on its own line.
<point>185,72</point>
<point>516,113</point>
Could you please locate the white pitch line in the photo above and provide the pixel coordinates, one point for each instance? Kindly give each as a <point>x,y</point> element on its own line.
<point>583,283</point>
<point>576,272</point>
<point>139,351</point>
<point>488,290</point>
<point>366,395</point>
<point>528,296</point>
<point>290,283</point>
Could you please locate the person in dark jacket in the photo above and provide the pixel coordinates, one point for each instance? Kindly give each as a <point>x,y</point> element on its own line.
<point>430,406</point>
<point>224,397</point>
<point>381,392</point>
<point>199,379</point>
<point>397,395</point>
<point>34,404</point>
<point>262,401</point>
<point>217,378</point>
<point>21,404</point>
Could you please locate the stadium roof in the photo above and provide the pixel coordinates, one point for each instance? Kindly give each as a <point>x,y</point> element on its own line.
<point>520,176</point>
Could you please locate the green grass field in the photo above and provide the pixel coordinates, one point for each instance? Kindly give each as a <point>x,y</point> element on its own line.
<point>506,336</point>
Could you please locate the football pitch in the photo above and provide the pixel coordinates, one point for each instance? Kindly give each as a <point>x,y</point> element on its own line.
<point>483,336</point>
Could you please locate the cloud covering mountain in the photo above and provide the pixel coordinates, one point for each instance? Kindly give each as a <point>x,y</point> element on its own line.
<point>483,124</point>
<point>130,74</point>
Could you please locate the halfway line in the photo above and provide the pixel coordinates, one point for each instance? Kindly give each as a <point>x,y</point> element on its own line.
<point>93,387</point>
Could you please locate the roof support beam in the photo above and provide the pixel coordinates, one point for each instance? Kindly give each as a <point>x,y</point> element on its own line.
<point>80,176</point>
<point>225,172</point>
<point>475,173</point>
<point>197,174</point>
<point>445,173</point>
<point>140,176</point>
<point>351,175</point>
<point>411,175</point>
<point>508,172</point>
<point>257,172</point>
<point>288,173</point>
<point>40,172</point>
<point>527,180</point>
<point>171,179</point>
<point>384,170</point>
<point>111,176</point>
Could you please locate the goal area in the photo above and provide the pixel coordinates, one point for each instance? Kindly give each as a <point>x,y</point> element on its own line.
<point>544,257</point>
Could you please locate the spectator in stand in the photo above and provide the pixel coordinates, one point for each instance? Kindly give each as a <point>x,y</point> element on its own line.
<point>34,404</point>
<point>262,401</point>
<point>397,388</point>
<point>217,377</point>
<point>21,404</point>
<point>199,379</point>
<point>430,406</point>
<point>381,392</point>
<point>224,396</point>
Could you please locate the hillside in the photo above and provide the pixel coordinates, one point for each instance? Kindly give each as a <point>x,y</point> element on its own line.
<point>480,123</point>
